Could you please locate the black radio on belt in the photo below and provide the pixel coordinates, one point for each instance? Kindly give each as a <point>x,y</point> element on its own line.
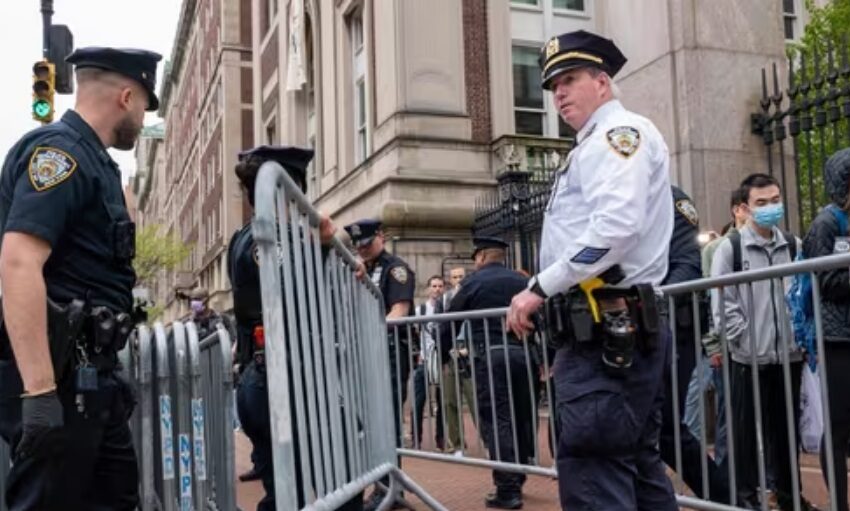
<point>125,239</point>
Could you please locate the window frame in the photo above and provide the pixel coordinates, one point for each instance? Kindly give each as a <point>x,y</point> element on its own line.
<point>356,28</point>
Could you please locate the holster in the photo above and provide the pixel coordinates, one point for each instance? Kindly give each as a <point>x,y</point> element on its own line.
<point>568,319</point>
<point>64,325</point>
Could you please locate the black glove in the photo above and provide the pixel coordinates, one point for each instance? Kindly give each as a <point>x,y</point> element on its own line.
<point>42,426</point>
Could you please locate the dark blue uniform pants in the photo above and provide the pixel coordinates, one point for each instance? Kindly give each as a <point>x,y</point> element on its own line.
<point>608,456</point>
<point>90,466</point>
<point>252,403</point>
<point>510,375</point>
<point>420,395</point>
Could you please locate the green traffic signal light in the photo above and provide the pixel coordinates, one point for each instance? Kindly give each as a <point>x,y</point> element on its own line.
<point>41,108</point>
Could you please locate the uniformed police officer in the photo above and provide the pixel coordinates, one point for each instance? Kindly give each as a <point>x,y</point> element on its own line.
<point>397,284</point>
<point>685,265</point>
<point>68,244</point>
<point>503,362</point>
<point>252,397</point>
<point>608,220</point>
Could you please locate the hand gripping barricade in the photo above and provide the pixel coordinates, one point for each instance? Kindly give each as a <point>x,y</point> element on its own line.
<point>331,405</point>
<point>182,426</point>
<point>482,357</point>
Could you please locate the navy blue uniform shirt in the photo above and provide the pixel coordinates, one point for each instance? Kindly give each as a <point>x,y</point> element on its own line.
<point>685,263</point>
<point>491,286</point>
<point>60,185</point>
<point>395,280</point>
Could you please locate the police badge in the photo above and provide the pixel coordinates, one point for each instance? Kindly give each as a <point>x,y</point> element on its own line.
<point>552,47</point>
<point>624,140</point>
<point>400,274</point>
<point>688,210</point>
<point>49,167</point>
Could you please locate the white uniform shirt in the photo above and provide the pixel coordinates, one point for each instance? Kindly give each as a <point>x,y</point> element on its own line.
<point>611,205</point>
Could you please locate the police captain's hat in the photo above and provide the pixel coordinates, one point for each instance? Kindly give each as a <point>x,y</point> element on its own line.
<point>140,65</point>
<point>363,231</point>
<point>293,159</point>
<point>579,49</point>
<point>484,242</point>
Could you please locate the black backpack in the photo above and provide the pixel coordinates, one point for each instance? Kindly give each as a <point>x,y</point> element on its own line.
<point>735,239</point>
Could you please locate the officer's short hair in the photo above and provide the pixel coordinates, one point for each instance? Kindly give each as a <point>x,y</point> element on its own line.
<point>737,197</point>
<point>615,89</point>
<point>757,181</point>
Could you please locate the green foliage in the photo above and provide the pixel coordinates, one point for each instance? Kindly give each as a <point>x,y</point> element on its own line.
<point>820,98</point>
<point>156,252</point>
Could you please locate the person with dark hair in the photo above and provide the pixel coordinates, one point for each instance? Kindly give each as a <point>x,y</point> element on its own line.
<point>760,243</point>
<point>426,372</point>
<point>252,399</point>
<point>67,272</point>
<point>828,235</point>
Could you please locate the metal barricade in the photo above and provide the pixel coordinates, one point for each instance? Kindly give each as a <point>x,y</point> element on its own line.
<point>331,405</point>
<point>700,482</point>
<point>501,382</point>
<point>185,449</point>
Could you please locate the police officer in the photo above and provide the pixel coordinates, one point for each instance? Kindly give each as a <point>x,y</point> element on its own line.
<point>397,283</point>
<point>68,244</point>
<point>252,397</point>
<point>685,265</point>
<point>493,285</point>
<point>607,224</point>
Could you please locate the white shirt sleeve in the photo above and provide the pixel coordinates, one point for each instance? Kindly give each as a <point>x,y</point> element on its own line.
<point>616,187</point>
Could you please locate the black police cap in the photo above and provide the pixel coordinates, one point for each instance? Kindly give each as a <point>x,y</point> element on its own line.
<point>293,159</point>
<point>579,49</point>
<point>483,242</point>
<point>140,65</point>
<point>363,231</point>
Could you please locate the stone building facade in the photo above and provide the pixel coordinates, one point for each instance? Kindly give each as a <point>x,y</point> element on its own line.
<point>187,185</point>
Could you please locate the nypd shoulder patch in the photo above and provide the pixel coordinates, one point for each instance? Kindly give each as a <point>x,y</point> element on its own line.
<point>688,210</point>
<point>589,255</point>
<point>624,140</point>
<point>400,274</point>
<point>50,166</point>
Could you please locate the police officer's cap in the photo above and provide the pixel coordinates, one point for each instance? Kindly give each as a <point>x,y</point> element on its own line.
<point>579,49</point>
<point>485,242</point>
<point>294,159</point>
<point>140,65</point>
<point>363,231</point>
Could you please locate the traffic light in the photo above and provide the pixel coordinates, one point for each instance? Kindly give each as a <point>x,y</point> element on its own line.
<point>43,90</point>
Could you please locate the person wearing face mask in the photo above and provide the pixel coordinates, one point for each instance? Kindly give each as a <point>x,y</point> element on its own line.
<point>760,243</point>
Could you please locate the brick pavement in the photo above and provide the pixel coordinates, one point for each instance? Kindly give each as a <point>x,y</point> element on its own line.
<point>463,488</point>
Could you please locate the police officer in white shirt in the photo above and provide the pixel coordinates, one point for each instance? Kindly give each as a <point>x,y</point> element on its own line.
<point>607,227</point>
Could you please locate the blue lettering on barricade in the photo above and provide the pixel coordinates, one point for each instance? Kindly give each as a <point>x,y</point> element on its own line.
<point>198,436</point>
<point>166,433</point>
<point>185,473</point>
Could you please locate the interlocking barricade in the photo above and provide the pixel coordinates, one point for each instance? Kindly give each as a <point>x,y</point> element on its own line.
<point>487,394</point>
<point>326,351</point>
<point>183,423</point>
<point>700,446</point>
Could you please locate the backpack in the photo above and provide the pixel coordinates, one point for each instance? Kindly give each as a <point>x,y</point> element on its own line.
<point>800,301</point>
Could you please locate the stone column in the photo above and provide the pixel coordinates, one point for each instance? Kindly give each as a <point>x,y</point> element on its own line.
<point>695,70</point>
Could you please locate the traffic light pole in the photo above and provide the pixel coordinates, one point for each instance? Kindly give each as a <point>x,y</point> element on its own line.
<point>46,15</point>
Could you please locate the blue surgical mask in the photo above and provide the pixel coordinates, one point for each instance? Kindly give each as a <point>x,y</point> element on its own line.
<point>769,215</point>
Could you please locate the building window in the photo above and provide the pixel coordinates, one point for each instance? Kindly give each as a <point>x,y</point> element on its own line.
<point>529,110</point>
<point>271,132</point>
<point>569,5</point>
<point>525,2</point>
<point>310,71</point>
<point>789,18</point>
<point>358,75</point>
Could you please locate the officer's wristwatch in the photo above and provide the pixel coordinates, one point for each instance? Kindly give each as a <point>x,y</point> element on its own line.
<point>534,287</point>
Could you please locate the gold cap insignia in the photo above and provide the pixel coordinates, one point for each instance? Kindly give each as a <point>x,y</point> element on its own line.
<point>552,47</point>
